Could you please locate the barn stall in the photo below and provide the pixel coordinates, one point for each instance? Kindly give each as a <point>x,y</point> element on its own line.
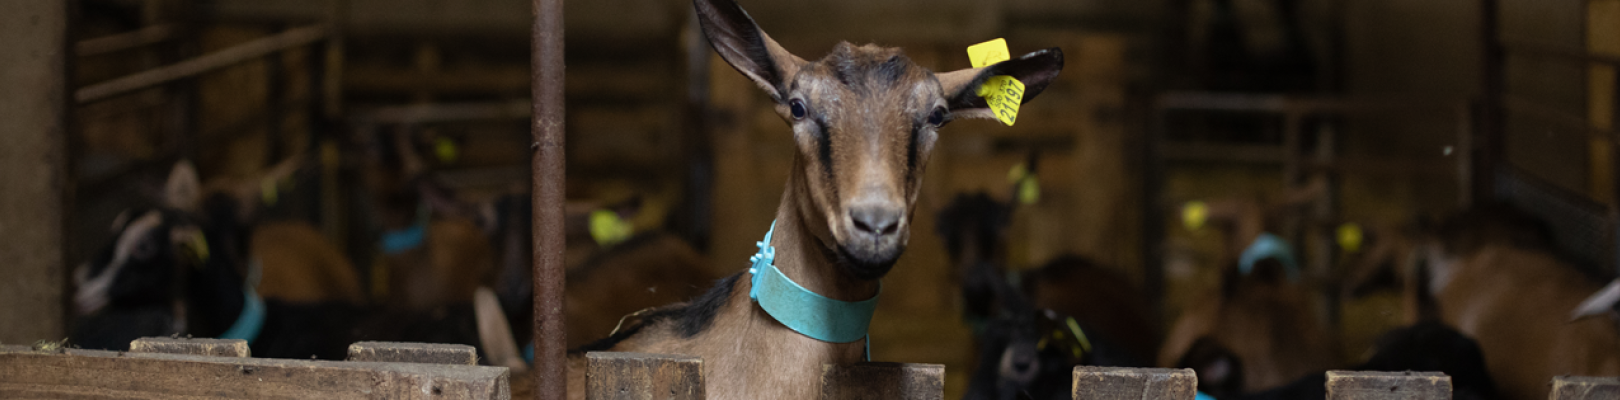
<point>1390,112</point>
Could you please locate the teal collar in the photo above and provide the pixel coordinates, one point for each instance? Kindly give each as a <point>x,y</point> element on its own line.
<point>1266,246</point>
<point>251,320</point>
<point>403,240</point>
<point>802,310</point>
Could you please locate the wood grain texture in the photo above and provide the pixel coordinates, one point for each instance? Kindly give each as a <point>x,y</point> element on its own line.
<point>642,376</point>
<point>1109,383</point>
<point>426,353</point>
<point>195,347</point>
<point>93,374</point>
<point>1366,385</point>
<point>1585,388</point>
<point>883,380</point>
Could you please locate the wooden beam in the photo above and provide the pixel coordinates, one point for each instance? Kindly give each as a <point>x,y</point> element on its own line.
<point>425,353</point>
<point>1572,54</point>
<point>196,347</point>
<point>627,376</point>
<point>1584,388</point>
<point>34,175</point>
<point>26,374</point>
<point>446,112</point>
<point>124,41</point>
<point>1367,385</point>
<point>875,381</point>
<point>240,53</point>
<point>1114,383</point>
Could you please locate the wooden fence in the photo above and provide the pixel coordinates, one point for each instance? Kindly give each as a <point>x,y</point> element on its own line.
<point>163,368</point>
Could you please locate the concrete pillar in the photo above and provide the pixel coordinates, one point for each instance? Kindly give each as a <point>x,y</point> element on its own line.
<point>33,167</point>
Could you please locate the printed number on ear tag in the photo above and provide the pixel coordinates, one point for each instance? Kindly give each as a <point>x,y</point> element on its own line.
<point>1003,93</point>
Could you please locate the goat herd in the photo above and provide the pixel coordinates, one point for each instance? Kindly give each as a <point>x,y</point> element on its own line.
<point>1487,300</point>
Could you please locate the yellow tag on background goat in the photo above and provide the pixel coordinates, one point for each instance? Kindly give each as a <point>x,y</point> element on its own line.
<point>1003,93</point>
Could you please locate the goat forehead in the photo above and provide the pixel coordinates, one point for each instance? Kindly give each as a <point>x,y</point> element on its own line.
<point>871,72</point>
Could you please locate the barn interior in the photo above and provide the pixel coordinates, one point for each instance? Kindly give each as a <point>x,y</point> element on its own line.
<point>1344,125</point>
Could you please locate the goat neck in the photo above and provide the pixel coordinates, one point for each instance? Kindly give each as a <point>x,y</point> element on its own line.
<point>806,253</point>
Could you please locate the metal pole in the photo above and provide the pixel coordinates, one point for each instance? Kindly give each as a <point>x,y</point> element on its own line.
<point>546,63</point>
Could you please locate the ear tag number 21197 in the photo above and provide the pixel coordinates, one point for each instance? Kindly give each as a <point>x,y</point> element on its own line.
<point>1003,93</point>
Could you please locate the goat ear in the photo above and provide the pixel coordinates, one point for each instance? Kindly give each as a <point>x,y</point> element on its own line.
<point>183,190</point>
<point>1602,302</point>
<point>1036,70</point>
<point>747,48</point>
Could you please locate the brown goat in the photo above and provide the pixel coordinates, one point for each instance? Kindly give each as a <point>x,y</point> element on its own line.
<point>1491,274</point>
<point>865,120</point>
<point>299,264</point>
<point>1263,317</point>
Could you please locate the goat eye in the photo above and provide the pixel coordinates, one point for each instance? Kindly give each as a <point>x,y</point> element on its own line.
<point>796,107</point>
<point>146,249</point>
<point>938,117</point>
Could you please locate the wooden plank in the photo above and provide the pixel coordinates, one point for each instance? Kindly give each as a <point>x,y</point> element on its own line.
<point>426,353</point>
<point>91,374</point>
<point>883,380</point>
<point>196,347</point>
<point>33,168</point>
<point>642,376</point>
<point>1368,385</point>
<point>1110,383</point>
<point>207,62</point>
<point>1585,388</point>
<point>124,41</point>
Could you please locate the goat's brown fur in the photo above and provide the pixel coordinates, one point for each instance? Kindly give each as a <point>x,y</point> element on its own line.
<point>864,121</point>
<point>1267,322</point>
<point>1491,273</point>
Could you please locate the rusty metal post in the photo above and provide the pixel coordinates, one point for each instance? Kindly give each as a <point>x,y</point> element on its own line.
<point>546,64</point>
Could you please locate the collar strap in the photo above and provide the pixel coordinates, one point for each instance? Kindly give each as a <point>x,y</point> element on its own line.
<point>1267,246</point>
<point>802,310</point>
<point>403,240</point>
<point>251,320</point>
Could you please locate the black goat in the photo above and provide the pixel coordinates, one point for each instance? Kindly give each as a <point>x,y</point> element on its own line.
<point>172,272</point>
<point>1426,346</point>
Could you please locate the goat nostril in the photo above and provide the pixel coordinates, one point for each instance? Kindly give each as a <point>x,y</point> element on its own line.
<point>875,221</point>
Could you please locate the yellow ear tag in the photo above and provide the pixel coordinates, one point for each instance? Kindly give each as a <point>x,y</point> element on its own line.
<point>446,150</point>
<point>1028,189</point>
<point>1194,214</point>
<point>608,229</point>
<point>199,246</point>
<point>1003,93</point>
<point>1350,237</point>
<point>267,191</point>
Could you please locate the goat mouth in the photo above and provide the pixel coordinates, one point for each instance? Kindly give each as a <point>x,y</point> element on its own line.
<point>867,262</point>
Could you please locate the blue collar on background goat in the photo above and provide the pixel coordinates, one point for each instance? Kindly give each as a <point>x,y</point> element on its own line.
<point>802,310</point>
<point>1270,246</point>
<point>251,320</point>
<point>403,240</point>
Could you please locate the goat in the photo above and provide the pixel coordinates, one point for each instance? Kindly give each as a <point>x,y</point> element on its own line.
<point>1260,312</point>
<point>173,272</point>
<point>864,121</point>
<point>433,250</point>
<point>1108,304</point>
<point>1426,346</point>
<point>1492,273</point>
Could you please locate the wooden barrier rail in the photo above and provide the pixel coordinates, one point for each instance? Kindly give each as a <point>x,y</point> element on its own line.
<point>164,368</point>
<point>640,376</point>
<point>161,368</point>
<point>1363,385</point>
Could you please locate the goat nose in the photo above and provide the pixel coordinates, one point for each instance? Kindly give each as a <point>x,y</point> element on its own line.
<point>875,221</point>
